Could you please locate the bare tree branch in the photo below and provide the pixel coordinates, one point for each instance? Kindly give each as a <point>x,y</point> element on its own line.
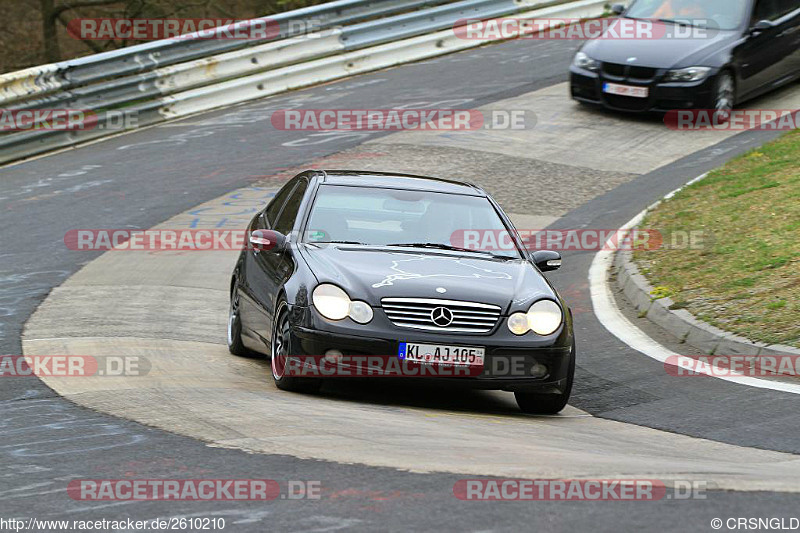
<point>96,48</point>
<point>52,52</point>
<point>84,3</point>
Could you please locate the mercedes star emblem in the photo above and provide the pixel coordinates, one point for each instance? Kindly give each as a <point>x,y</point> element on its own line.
<point>442,317</point>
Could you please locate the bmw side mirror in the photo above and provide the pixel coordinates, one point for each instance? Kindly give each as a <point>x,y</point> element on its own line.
<point>267,240</point>
<point>618,9</point>
<point>761,26</point>
<point>546,260</point>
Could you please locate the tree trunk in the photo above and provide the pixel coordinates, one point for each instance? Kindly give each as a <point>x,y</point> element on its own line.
<point>51,49</point>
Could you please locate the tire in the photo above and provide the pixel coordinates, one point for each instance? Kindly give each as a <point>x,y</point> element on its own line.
<point>724,96</point>
<point>548,404</point>
<point>281,346</point>
<point>235,345</point>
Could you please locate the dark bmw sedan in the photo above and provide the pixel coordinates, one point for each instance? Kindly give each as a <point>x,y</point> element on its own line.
<point>345,264</point>
<point>703,54</point>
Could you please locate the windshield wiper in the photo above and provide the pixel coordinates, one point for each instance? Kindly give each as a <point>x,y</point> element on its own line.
<point>678,22</point>
<point>337,242</point>
<point>441,246</point>
<point>438,245</point>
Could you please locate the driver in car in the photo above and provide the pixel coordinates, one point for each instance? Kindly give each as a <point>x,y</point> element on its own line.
<point>678,8</point>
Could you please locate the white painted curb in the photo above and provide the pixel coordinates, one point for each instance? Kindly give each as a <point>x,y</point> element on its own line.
<point>618,324</point>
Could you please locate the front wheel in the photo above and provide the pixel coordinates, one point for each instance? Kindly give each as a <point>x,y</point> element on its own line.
<point>281,348</point>
<point>548,404</point>
<point>724,97</point>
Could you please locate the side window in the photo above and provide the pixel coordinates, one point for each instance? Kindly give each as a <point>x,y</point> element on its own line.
<point>274,207</point>
<point>285,221</point>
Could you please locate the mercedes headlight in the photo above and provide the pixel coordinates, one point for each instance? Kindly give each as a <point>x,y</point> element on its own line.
<point>543,318</point>
<point>582,60</point>
<point>687,74</point>
<point>361,312</point>
<point>334,304</point>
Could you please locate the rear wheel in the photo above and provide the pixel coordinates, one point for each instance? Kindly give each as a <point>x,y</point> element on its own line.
<point>235,345</point>
<point>548,404</point>
<point>281,348</point>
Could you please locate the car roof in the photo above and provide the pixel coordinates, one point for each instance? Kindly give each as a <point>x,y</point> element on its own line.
<point>390,180</point>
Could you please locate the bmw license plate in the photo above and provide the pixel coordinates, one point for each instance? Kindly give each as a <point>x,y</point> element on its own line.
<point>442,354</point>
<point>626,90</point>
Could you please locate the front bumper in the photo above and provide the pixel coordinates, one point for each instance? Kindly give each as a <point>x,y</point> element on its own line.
<point>587,86</point>
<point>508,361</point>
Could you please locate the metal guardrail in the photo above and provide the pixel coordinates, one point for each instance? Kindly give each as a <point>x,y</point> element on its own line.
<point>181,78</point>
<point>436,18</point>
<point>169,52</point>
<point>170,78</point>
<point>147,56</point>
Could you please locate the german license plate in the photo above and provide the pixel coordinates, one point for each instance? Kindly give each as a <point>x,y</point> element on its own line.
<point>441,354</point>
<point>626,90</point>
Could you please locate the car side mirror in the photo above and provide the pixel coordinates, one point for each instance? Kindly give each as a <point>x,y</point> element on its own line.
<point>618,9</point>
<point>761,26</point>
<point>546,260</point>
<point>267,240</point>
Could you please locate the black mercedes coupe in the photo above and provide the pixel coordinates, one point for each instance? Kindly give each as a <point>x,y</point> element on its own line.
<point>343,267</point>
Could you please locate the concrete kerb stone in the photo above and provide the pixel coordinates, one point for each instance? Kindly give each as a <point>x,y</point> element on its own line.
<point>633,284</point>
<point>682,324</point>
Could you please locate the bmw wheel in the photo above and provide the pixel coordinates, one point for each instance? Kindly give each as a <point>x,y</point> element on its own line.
<point>724,97</point>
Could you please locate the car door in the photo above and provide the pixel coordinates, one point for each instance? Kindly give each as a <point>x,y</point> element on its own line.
<point>765,55</point>
<point>274,268</point>
<point>252,304</point>
<point>791,33</point>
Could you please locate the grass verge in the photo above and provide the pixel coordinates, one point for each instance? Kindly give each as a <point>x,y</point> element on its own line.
<point>743,272</point>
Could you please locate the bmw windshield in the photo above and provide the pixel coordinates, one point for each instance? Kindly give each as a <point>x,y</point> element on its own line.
<point>717,14</point>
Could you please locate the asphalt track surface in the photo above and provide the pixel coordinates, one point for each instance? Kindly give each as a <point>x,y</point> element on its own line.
<point>141,179</point>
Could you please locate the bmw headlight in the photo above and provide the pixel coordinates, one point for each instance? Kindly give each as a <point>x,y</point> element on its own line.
<point>543,318</point>
<point>334,304</point>
<point>687,74</point>
<point>582,60</point>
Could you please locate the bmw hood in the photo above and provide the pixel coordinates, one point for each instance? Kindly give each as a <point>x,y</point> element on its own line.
<point>370,274</point>
<point>665,53</point>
